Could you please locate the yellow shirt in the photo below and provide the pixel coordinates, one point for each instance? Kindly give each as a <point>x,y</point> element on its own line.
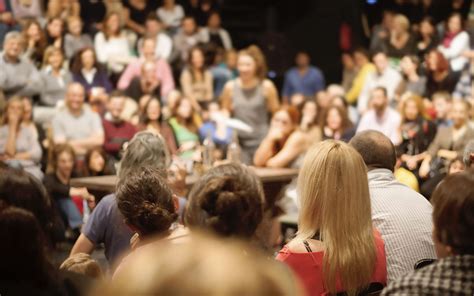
<point>358,83</point>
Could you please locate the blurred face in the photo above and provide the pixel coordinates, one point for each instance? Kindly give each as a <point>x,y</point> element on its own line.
<point>426,28</point>
<point>333,119</point>
<point>381,62</point>
<point>459,114</point>
<point>454,24</point>
<point>148,49</point>
<point>75,97</point>
<point>56,60</point>
<point>149,72</point>
<point>347,61</point>
<point>13,48</point>
<point>65,163</point>
<point>189,26</point>
<point>113,24</point>
<point>116,105</point>
<point>411,110</point>
<point>302,60</point>
<point>55,28</point>
<point>456,167</point>
<point>96,162</point>
<point>15,109</point>
<point>75,27</point>
<point>33,32</point>
<point>214,21</point>
<point>246,66</point>
<point>27,110</point>
<point>309,110</point>
<point>185,110</point>
<point>282,121</point>
<point>378,100</point>
<point>197,59</point>
<point>360,59</point>
<point>323,99</point>
<point>442,108</point>
<point>152,27</point>
<point>231,60</point>
<point>407,65</point>
<point>432,61</point>
<point>88,59</point>
<point>153,111</point>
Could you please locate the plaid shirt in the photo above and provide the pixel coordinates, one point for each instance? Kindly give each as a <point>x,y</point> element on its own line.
<point>449,276</point>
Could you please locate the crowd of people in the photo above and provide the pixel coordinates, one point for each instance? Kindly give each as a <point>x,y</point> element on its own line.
<point>153,91</point>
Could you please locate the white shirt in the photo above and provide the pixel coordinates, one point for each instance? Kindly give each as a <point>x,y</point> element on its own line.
<point>115,51</point>
<point>403,217</point>
<point>171,18</point>
<point>164,46</point>
<point>453,53</point>
<point>390,79</point>
<point>388,124</point>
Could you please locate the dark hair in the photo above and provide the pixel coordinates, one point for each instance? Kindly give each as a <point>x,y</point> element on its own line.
<point>146,201</point>
<point>152,17</point>
<point>22,251</point>
<point>191,123</point>
<point>228,200</point>
<point>345,121</point>
<point>362,51</point>
<point>54,153</point>
<point>383,89</point>
<point>442,63</point>
<point>190,61</point>
<point>376,149</point>
<point>377,52</point>
<point>105,171</point>
<point>77,60</point>
<point>144,117</point>
<point>455,14</point>
<point>453,205</point>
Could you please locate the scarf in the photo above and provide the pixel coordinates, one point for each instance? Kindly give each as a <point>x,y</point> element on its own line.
<point>448,38</point>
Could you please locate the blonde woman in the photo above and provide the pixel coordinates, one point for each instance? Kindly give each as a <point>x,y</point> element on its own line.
<point>336,248</point>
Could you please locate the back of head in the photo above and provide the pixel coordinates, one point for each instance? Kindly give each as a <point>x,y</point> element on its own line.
<point>144,150</point>
<point>203,266</point>
<point>335,203</point>
<point>453,208</point>
<point>146,201</point>
<point>228,200</point>
<point>376,149</point>
<point>82,263</point>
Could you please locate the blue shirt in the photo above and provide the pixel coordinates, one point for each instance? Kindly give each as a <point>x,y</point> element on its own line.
<point>308,84</point>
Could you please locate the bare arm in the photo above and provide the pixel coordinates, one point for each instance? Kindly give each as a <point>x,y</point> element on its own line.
<point>271,94</point>
<point>10,146</point>
<point>290,151</point>
<point>95,140</point>
<point>82,245</point>
<point>226,96</point>
<point>264,152</point>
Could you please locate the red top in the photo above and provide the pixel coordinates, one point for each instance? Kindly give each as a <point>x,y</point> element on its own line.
<point>310,271</point>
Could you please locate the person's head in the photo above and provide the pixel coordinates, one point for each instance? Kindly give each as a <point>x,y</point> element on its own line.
<point>111,25</point>
<point>334,201</point>
<point>62,160</point>
<point>460,113</point>
<point>412,108</point>
<point>376,149</point>
<point>427,26</point>
<point>146,202</point>
<point>203,266</point>
<point>379,99</point>
<point>454,24</point>
<point>442,104</point>
<point>33,31</point>
<point>381,61</point>
<point>251,63</point>
<point>286,119</point>
<point>144,150</point>
<point>84,59</point>
<point>75,95</point>
<point>310,111</point>
<point>74,25</point>
<point>82,263</point>
<point>409,64</point>
<point>436,62</point>
<point>116,104</point>
<point>401,24</point>
<point>302,59</point>
<point>231,57</point>
<point>361,56</point>
<point>214,20</point>
<point>183,109</point>
<point>14,108</point>
<point>456,165</point>
<point>153,25</point>
<point>55,27</point>
<point>148,48</point>
<point>53,57</point>
<point>227,200</point>
<point>336,118</point>
<point>468,156</point>
<point>152,111</point>
<point>23,253</point>
<point>168,3</point>
<point>348,61</point>
<point>388,17</point>
<point>323,99</point>
<point>196,59</point>
<point>95,160</point>
<point>148,71</point>
<point>453,205</point>
<point>27,110</point>
<point>189,25</point>
<point>13,45</point>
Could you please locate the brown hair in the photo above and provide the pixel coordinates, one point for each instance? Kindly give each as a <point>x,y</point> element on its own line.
<point>77,60</point>
<point>87,159</point>
<point>42,43</point>
<point>14,99</point>
<point>49,52</point>
<point>442,63</point>
<point>292,112</point>
<point>82,263</point>
<point>54,155</point>
<point>146,201</point>
<point>419,105</point>
<point>453,205</point>
<point>193,122</point>
<point>228,199</point>
<point>345,121</point>
<point>256,54</point>
<point>104,24</point>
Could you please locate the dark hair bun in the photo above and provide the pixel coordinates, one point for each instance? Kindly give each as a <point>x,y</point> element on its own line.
<point>153,216</point>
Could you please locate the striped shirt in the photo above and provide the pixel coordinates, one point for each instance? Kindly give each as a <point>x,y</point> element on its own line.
<point>403,217</point>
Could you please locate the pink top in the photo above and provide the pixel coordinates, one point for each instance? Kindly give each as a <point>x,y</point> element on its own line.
<point>163,72</point>
<point>309,267</point>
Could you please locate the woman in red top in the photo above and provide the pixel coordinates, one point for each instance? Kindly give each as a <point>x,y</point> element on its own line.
<point>336,248</point>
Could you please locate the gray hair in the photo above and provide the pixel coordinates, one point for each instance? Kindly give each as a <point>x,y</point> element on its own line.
<point>468,151</point>
<point>12,35</point>
<point>145,150</point>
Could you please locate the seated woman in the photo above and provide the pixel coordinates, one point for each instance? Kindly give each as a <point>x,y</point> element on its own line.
<point>34,42</point>
<point>97,164</point>
<point>453,205</point>
<point>19,146</point>
<point>336,124</point>
<point>284,142</point>
<point>455,43</point>
<point>417,133</point>
<point>412,81</point>
<point>427,37</point>
<point>57,183</point>
<point>400,42</point>
<point>55,32</point>
<point>335,213</point>
<point>448,144</point>
<point>152,121</point>
<point>439,74</point>
<point>185,123</point>
<point>196,80</point>
<point>309,123</point>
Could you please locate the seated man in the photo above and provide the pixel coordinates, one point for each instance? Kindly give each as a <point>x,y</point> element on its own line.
<point>77,124</point>
<point>381,117</point>
<point>402,215</point>
<point>18,76</point>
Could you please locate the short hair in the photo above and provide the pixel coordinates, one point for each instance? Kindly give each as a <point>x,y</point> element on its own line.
<point>228,200</point>
<point>442,95</point>
<point>453,205</point>
<point>257,55</point>
<point>12,35</point>
<point>468,152</point>
<point>146,201</point>
<point>82,263</point>
<point>54,153</point>
<point>116,94</point>
<point>363,51</point>
<point>146,149</point>
<point>153,17</point>
<point>376,149</point>
<point>381,88</point>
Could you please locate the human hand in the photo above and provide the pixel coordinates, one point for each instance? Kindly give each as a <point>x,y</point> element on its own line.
<point>275,134</point>
<point>424,169</point>
<point>411,163</point>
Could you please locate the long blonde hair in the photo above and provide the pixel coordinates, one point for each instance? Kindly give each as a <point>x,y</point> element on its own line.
<point>335,202</point>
